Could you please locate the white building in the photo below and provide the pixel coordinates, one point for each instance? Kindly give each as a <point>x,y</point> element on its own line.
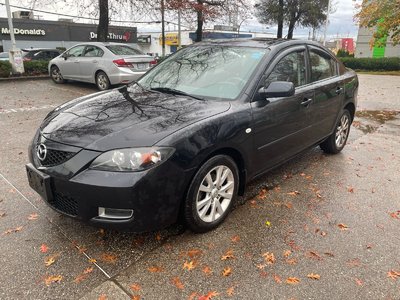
<point>364,49</point>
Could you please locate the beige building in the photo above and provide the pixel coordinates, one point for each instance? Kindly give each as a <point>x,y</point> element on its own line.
<point>364,49</point>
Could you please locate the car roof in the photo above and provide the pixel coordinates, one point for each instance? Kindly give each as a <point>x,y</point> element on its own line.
<point>40,49</point>
<point>259,42</point>
<point>101,44</point>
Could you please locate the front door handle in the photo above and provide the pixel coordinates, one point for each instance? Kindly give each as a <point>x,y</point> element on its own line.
<point>339,90</point>
<point>306,101</point>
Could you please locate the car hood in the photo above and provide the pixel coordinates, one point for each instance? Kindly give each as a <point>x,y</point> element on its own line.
<point>125,117</point>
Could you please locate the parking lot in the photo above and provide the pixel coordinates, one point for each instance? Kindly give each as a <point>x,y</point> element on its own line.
<point>318,227</point>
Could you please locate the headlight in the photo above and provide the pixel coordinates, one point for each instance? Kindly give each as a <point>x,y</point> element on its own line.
<point>131,159</point>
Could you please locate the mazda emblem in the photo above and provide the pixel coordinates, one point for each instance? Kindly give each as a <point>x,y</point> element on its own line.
<point>41,152</point>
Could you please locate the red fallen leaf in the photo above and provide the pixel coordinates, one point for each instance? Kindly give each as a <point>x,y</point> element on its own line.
<point>289,205</point>
<point>52,279</point>
<point>136,297</point>
<point>207,270</point>
<point>109,258</point>
<point>88,270</point>
<point>353,262</point>
<point>393,274</point>
<point>228,255</point>
<point>227,272</point>
<point>209,295</point>
<point>395,215</point>
<point>292,280</point>
<point>292,244</point>
<point>178,283</point>
<point>277,278</point>
<point>155,269</point>
<point>263,274</point>
<point>33,217</point>
<point>44,248</point>
<point>135,287</point>
<point>343,226</point>
<point>235,239</point>
<point>102,297</point>
<point>81,277</point>
<point>231,291</point>
<point>359,282</point>
<point>158,237</point>
<point>350,189</point>
<point>263,194</point>
<point>194,253</point>
<point>295,193</point>
<point>314,276</point>
<point>189,265</point>
<point>269,257</point>
<point>253,203</point>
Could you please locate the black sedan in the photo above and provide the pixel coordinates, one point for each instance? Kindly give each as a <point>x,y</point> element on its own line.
<point>186,138</point>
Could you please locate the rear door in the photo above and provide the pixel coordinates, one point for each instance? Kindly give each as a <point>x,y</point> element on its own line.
<point>328,86</point>
<point>89,62</point>
<point>69,67</point>
<point>280,123</point>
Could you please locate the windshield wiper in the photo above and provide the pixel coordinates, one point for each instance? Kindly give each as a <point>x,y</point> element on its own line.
<point>174,92</point>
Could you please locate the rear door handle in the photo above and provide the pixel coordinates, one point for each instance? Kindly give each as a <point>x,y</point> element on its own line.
<point>306,101</point>
<point>339,90</point>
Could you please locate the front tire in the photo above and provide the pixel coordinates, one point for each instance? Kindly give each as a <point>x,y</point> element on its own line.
<point>211,194</point>
<point>337,140</point>
<point>56,75</point>
<point>102,81</point>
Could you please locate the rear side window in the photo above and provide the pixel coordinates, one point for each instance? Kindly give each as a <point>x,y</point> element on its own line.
<point>322,66</point>
<point>76,51</point>
<point>291,68</point>
<point>123,50</point>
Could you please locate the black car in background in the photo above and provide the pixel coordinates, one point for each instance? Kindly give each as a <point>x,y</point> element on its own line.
<point>30,54</point>
<point>186,138</point>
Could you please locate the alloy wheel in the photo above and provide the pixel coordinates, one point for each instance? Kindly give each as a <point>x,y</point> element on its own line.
<point>56,74</point>
<point>215,194</point>
<point>342,131</point>
<point>102,81</point>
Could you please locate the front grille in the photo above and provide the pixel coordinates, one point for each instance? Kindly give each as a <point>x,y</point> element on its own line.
<point>65,204</point>
<point>56,157</point>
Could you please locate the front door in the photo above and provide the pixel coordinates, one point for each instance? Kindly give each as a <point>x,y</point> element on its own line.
<point>89,62</point>
<point>69,66</point>
<point>279,123</point>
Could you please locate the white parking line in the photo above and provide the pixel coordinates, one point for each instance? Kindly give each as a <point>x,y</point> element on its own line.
<point>54,224</point>
<point>24,109</point>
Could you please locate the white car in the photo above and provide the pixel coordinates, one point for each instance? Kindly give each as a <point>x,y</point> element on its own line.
<point>4,56</point>
<point>104,64</point>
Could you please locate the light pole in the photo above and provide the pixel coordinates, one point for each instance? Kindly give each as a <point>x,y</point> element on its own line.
<point>15,53</point>
<point>163,27</point>
<point>327,21</point>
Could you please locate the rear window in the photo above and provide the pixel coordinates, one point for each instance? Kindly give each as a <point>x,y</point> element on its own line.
<point>123,50</point>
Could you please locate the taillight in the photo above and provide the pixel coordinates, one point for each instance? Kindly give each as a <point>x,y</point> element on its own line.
<point>153,62</point>
<point>122,63</point>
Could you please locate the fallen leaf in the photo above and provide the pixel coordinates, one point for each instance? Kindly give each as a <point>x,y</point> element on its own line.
<point>393,274</point>
<point>16,229</point>
<point>277,278</point>
<point>269,257</point>
<point>354,262</point>
<point>261,266</point>
<point>102,297</point>
<point>207,270</point>
<point>158,237</point>
<point>44,248</point>
<point>88,270</point>
<point>209,295</point>
<point>343,226</point>
<point>228,255</point>
<point>155,269</point>
<point>314,276</point>
<point>52,279</point>
<point>395,215</point>
<point>189,265</point>
<point>369,246</point>
<point>194,253</point>
<point>263,194</point>
<point>231,291</point>
<point>49,261</point>
<point>268,223</point>
<point>81,277</point>
<point>295,193</point>
<point>359,282</point>
<point>287,253</point>
<point>136,297</point>
<point>109,258</point>
<point>227,272</point>
<point>92,261</point>
<point>33,217</point>
<point>135,287</point>
<point>289,205</point>
<point>350,189</point>
<point>329,254</point>
<point>253,203</point>
<point>178,283</point>
<point>292,280</point>
<point>291,261</point>
<point>2,214</point>
<point>314,254</point>
<point>235,239</point>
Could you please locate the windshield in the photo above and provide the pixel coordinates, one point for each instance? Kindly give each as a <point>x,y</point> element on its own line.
<point>206,71</point>
<point>123,50</point>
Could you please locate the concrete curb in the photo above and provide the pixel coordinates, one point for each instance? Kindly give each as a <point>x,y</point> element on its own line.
<point>21,78</point>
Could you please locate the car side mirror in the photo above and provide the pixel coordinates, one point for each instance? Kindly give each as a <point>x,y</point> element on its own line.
<point>65,56</point>
<point>277,89</point>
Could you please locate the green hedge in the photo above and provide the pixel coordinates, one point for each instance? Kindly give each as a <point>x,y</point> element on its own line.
<point>37,67</point>
<point>5,69</point>
<point>372,64</point>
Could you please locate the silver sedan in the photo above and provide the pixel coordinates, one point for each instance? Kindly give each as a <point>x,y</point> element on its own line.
<point>104,64</point>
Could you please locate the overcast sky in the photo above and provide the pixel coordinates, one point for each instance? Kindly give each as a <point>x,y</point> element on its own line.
<point>341,21</point>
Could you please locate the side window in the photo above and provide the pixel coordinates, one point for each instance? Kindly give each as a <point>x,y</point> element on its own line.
<point>291,68</point>
<point>76,51</point>
<point>322,66</point>
<point>93,51</point>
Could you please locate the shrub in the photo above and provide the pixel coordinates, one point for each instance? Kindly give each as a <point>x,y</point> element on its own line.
<point>5,69</point>
<point>36,67</point>
<point>372,64</point>
<point>344,53</point>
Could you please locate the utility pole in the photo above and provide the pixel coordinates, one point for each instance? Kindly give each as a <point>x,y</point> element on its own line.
<point>15,53</point>
<point>327,21</point>
<point>179,29</point>
<point>163,27</point>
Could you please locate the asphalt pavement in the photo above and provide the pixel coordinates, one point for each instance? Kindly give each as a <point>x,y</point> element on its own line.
<point>319,227</point>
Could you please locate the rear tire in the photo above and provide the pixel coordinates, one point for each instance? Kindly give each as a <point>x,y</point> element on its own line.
<point>211,194</point>
<point>102,81</point>
<point>337,140</point>
<point>56,75</point>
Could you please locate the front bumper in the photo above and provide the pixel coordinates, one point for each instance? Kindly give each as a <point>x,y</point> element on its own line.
<point>153,195</point>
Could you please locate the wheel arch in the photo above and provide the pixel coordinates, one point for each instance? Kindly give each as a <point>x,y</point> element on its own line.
<point>352,109</point>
